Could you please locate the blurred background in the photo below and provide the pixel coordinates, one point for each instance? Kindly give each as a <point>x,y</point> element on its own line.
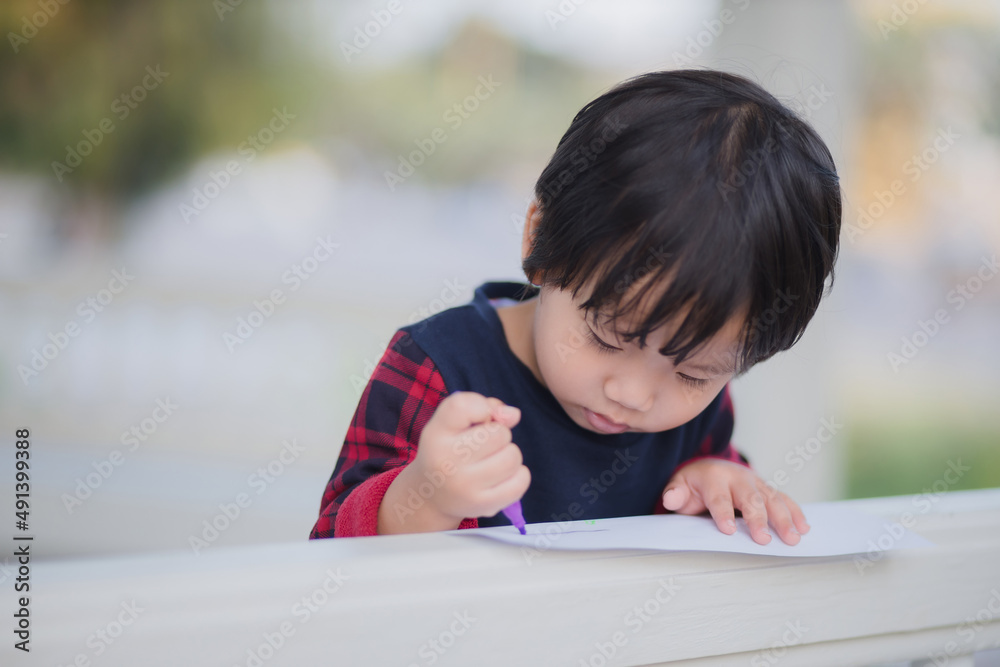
<point>213,217</point>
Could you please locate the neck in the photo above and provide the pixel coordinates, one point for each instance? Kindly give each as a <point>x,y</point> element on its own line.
<point>518,328</point>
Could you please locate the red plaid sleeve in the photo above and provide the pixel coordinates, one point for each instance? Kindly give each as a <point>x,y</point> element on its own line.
<point>397,403</point>
<point>716,444</point>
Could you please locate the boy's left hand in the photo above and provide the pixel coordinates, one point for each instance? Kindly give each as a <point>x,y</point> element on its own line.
<point>721,486</point>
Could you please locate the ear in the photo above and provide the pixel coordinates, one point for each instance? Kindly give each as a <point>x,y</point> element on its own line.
<point>531,220</point>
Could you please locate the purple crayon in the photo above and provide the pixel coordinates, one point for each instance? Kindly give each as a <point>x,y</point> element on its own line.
<point>513,512</point>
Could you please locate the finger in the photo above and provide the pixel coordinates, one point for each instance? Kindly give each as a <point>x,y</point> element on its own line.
<point>798,518</point>
<point>719,502</point>
<point>497,467</point>
<point>510,490</point>
<point>482,441</point>
<point>496,406</point>
<point>462,409</point>
<point>751,503</point>
<point>676,496</point>
<point>508,415</point>
<point>780,517</point>
<point>683,498</point>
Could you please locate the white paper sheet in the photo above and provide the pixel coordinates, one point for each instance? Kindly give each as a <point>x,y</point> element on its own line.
<point>834,530</point>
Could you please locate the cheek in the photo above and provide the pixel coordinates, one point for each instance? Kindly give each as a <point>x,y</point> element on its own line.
<point>681,404</point>
<point>693,407</point>
<point>693,400</point>
<point>564,360</point>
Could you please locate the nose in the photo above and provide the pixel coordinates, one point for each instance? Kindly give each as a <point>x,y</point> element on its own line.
<point>632,393</point>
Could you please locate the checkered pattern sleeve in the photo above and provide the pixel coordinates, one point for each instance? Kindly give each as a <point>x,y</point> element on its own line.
<point>397,403</point>
<point>716,444</point>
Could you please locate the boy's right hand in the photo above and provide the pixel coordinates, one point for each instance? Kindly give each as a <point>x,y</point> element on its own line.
<point>466,453</point>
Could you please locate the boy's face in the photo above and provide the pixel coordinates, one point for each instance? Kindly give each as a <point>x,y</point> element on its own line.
<point>625,389</point>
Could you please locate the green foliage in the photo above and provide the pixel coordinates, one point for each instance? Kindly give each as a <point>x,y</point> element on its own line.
<point>896,457</point>
<point>226,74</point>
<point>222,78</point>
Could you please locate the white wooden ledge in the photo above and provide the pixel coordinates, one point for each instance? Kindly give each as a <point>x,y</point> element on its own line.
<point>452,600</point>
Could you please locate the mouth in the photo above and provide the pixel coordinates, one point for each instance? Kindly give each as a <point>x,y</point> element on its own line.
<point>604,424</point>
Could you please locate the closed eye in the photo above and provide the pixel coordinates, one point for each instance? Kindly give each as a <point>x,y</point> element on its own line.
<point>697,383</point>
<point>602,347</point>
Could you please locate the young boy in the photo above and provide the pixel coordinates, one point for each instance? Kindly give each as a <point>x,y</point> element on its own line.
<point>682,232</point>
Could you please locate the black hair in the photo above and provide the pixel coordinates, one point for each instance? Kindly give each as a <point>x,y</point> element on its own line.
<point>703,180</point>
